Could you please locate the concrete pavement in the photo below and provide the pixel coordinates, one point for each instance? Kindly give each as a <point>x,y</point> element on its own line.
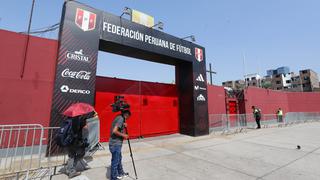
<point>265,154</point>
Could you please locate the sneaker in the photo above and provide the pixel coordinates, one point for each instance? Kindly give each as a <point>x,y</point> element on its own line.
<point>124,175</point>
<point>86,167</point>
<point>73,174</point>
<point>119,177</point>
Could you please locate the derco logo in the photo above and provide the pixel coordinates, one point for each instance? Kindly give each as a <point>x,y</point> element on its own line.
<point>198,54</point>
<point>85,20</point>
<point>65,89</point>
<point>201,98</point>
<point>78,56</point>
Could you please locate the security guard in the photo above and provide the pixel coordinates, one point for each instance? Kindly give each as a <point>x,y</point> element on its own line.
<point>280,115</point>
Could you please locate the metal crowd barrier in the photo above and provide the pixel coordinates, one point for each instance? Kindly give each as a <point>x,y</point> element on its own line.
<point>23,150</point>
<point>233,123</point>
<point>93,135</point>
<point>301,117</point>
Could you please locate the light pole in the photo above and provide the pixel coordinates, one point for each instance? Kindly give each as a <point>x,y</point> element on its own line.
<point>192,38</point>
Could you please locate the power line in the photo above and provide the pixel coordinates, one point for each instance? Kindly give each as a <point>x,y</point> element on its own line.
<point>44,29</point>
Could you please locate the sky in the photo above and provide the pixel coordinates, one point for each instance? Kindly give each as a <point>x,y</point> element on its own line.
<point>240,36</point>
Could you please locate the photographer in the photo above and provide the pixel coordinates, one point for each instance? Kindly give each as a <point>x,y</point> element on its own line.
<point>115,144</point>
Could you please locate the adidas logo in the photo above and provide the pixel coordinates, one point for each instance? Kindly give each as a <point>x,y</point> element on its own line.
<point>201,98</point>
<point>200,78</point>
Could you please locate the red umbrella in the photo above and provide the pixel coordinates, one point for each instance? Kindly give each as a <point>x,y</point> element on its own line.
<point>78,109</point>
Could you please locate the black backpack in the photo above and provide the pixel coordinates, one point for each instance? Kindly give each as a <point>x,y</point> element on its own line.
<point>65,136</point>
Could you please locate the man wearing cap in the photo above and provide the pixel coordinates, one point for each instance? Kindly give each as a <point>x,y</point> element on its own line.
<point>257,115</point>
<point>115,144</point>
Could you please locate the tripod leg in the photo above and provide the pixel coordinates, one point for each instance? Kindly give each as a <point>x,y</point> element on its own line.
<point>134,167</point>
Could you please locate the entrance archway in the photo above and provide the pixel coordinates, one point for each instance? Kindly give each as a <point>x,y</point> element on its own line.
<point>85,30</point>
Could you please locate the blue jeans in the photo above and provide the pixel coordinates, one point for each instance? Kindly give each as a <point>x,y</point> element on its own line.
<point>116,165</point>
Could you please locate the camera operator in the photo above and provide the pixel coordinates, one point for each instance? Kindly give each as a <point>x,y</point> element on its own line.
<point>117,136</point>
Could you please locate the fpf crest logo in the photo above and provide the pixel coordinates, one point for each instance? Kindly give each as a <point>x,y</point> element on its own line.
<point>198,54</point>
<point>85,20</point>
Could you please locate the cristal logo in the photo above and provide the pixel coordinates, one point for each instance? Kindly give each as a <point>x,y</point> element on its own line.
<point>65,89</point>
<point>85,75</point>
<point>77,56</point>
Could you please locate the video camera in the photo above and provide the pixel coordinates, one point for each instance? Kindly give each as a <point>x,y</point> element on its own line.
<point>119,104</point>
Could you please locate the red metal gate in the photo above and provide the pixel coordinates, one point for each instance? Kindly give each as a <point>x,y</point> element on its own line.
<point>154,106</point>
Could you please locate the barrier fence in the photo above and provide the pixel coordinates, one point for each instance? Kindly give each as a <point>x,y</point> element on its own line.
<point>238,122</point>
<point>23,151</point>
<point>301,117</point>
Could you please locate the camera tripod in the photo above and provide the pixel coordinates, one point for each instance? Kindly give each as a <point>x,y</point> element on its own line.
<point>134,167</point>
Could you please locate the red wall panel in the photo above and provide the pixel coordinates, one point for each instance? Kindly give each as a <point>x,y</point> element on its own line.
<point>26,100</point>
<point>154,106</point>
<point>269,101</point>
<point>216,100</point>
<point>304,102</point>
<point>159,111</point>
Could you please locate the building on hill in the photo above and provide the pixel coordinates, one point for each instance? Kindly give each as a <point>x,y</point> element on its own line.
<point>253,80</point>
<point>238,84</point>
<point>280,79</point>
<point>309,80</point>
<point>280,70</point>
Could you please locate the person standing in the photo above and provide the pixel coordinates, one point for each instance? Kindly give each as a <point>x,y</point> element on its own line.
<point>117,136</point>
<point>257,116</point>
<point>280,115</point>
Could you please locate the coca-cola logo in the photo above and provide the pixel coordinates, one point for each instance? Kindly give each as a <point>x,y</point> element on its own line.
<point>85,75</point>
